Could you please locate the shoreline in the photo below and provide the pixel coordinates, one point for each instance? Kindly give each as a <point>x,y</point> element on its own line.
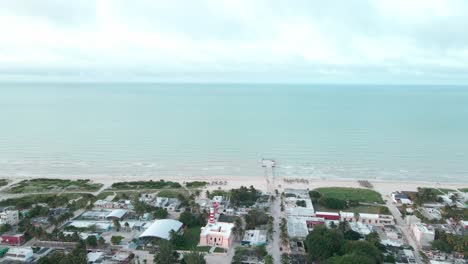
<point>385,187</point>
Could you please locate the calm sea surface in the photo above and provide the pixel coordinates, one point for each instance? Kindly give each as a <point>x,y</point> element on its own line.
<point>376,132</point>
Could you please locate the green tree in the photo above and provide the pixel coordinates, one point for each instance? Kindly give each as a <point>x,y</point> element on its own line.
<point>91,241</point>
<point>194,257</point>
<point>285,259</point>
<point>116,223</point>
<point>269,259</point>
<point>5,228</point>
<point>323,243</point>
<point>333,203</point>
<point>101,241</point>
<point>160,213</point>
<point>165,254</point>
<point>115,240</point>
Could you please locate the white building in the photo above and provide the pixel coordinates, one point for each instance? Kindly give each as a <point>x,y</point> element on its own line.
<point>294,209</point>
<point>371,219</point>
<point>362,229</point>
<point>424,234</point>
<point>162,229</point>
<point>10,217</point>
<point>19,253</point>
<point>254,238</point>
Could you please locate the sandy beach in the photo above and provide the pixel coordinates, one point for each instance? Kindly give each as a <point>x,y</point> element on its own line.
<point>229,182</point>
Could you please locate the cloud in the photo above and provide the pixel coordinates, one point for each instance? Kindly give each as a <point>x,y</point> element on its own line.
<point>264,40</point>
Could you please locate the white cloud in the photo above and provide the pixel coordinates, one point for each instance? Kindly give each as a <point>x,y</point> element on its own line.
<point>389,39</point>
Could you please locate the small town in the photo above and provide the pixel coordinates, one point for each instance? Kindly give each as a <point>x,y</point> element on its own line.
<point>203,222</point>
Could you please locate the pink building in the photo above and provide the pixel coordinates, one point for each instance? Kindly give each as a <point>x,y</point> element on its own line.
<point>216,233</point>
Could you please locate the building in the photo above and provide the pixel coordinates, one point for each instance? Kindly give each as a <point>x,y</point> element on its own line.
<point>117,214</point>
<point>401,198</point>
<point>94,257</point>
<point>42,222</point>
<point>12,239</point>
<point>122,204</point>
<point>23,254</point>
<point>424,234</point>
<point>100,226</point>
<point>371,219</point>
<point>162,229</point>
<point>9,217</point>
<point>362,229</point>
<point>297,228</point>
<point>431,213</point>
<point>299,207</point>
<point>216,233</point>
<point>328,215</point>
<point>313,221</point>
<point>254,238</point>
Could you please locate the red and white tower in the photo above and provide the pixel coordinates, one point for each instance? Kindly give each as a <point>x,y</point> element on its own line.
<point>216,207</point>
<point>212,216</point>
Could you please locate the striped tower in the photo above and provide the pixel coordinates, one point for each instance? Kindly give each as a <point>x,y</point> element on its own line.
<point>216,207</point>
<point>212,216</point>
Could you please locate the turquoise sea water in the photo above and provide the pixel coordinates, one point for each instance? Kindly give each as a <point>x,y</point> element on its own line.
<point>372,131</point>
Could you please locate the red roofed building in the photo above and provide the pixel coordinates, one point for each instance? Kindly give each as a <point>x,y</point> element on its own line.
<point>12,239</point>
<point>328,215</point>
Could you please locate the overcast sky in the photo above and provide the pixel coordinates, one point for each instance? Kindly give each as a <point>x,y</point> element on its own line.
<point>388,41</point>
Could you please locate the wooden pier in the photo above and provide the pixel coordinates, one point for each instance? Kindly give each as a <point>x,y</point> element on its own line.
<point>269,165</point>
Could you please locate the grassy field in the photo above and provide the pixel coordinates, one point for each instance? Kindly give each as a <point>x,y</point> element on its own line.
<point>219,250</point>
<point>196,184</point>
<point>363,209</point>
<point>191,238</point>
<point>132,185</point>
<point>50,185</point>
<point>463,189</point>
<point>3,182</point>
<point>349,194</point>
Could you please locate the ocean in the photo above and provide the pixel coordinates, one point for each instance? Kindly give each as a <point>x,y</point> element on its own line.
<point>406,133</point>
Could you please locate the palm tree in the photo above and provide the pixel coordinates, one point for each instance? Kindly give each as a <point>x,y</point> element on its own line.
<point>357,216</point>
<point>239,226</point>
<point>194,257</point>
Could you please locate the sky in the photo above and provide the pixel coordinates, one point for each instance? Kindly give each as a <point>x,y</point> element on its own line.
<point>353,41</point>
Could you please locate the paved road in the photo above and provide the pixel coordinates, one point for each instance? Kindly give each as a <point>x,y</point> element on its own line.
<point>405,229</point>
<point>273,246</point>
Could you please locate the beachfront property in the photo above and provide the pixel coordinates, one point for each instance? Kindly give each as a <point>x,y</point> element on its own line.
<point>9,217</point>
<point>424,234</point>
<point>372,219</point>
<point>297,203</point>
<point>401,198</point>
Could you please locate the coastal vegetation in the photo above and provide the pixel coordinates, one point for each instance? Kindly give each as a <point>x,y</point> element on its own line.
<point>46,185</point>
<point>196,184</point>
<point>244,196</point>
<point>52,200</point>
<point>350,194</point>
<point>3,182</point>
<point>130,185</point>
